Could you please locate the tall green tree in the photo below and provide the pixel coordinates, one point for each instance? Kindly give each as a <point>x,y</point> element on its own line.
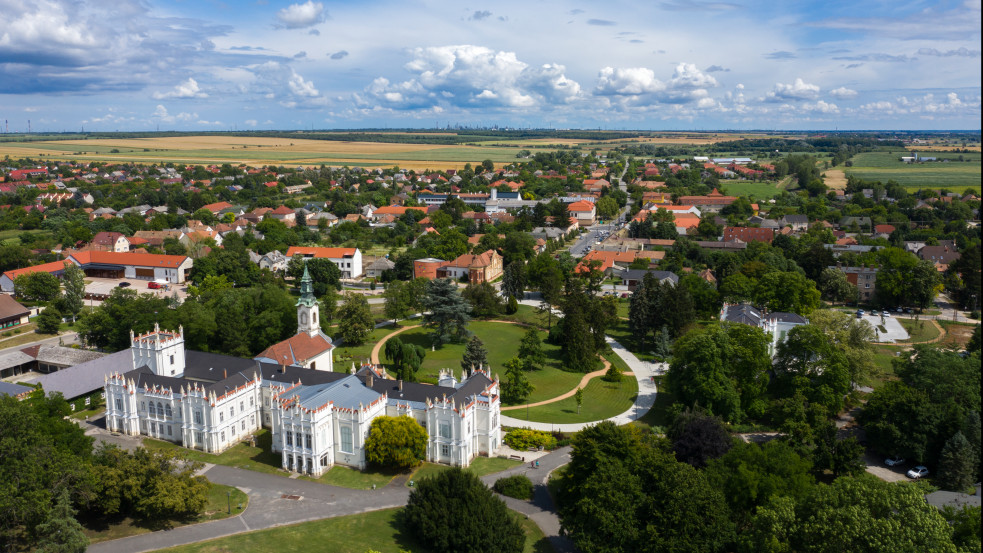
<point>531,349</point>
<point>74,279</point>
<point>446,313</point>
<point>475,355</point>
<point>39,286</point>
<point>484,299</point>
<point>60,532</point>
<point>786,291</point>
<point>514,280</point>
<point>454,511</point>
<point>958,467</point>
<point>356,322</point>
<point>834,287</point>
<point>515,386</point>
<point>397,304</point>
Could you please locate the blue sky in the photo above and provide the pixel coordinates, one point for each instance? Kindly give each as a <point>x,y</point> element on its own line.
<point>665,64</point>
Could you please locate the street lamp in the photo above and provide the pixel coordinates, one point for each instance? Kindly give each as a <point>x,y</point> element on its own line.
<point>228,495</point>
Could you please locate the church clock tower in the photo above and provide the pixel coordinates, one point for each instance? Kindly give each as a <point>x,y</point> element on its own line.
<point>307,315</point>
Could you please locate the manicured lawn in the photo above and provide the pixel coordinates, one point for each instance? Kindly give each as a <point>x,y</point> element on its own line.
<point>376,530</point>
<point>352,478</point>
<point>480,466</point>
<point>217,507</point>
<point>344,354</point>
<point>502,343</point>
<point>921,331</point>
<point>658,416</point>
<point>241,455</point>
<point>601,400</point>
<point>527,314</point>
<point>622,335</point>
<point>757,190</point>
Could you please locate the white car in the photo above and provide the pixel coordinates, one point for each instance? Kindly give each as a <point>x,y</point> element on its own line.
<point>894,461</point>
<point>918,472</point>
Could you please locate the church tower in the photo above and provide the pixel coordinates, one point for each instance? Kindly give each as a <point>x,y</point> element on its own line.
<point>307,315</point>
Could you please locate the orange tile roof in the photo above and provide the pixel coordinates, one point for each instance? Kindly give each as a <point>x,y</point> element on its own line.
<point>217,206</point>
<point>332,253</point>
<point>52,267</point>
<point>582,205</point>
<point>297,349</point>
<point>686,220</point>
<point>129,258</point>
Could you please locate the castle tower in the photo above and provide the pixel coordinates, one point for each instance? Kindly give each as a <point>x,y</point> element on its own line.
<point>307,310</point>
<point>160,350</point>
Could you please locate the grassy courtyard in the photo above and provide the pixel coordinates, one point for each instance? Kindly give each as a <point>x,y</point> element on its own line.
<point>377,530</point>
<point>602,400</point>
<point>242,455</point>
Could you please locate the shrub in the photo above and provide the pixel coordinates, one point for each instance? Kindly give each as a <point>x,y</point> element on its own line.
<point>518,486</point>
<point>523,438</point>
<point>612,375</point>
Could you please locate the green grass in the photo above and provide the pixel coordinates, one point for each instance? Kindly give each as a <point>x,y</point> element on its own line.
<point>352,478</point>
<point>216,507</point>
<point>502,342</point>
<point>602,400</point>
<point>241,455</point>
<point>756,190</point>
<point>527,315</point>
<point>921,331</point>
<point>377,530</point>
<point>622,335</point>
<point>659,415</point>
<point>480,466</point>
<point>884,166</point>
<point>883,365</point>
<point>344,355</point>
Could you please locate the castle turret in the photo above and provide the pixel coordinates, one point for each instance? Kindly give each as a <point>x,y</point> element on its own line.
<point>160,350</point>
<point>307,310</point>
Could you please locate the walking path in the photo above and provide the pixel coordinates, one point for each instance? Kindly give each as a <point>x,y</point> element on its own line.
<point>643,372</point>
<point>376,348</point>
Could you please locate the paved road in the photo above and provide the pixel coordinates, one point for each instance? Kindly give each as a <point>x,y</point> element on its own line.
<point>268,507</point>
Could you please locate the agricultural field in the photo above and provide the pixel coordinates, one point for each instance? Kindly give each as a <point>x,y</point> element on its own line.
<point>951,175</point>
<point>756,190</point>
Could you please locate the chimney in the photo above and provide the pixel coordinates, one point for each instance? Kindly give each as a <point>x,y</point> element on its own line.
<point>225,373</point>
<point>400,385</point>
<point>369,380</point>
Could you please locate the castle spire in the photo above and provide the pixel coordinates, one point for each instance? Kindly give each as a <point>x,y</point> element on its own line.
<point>306,289</point>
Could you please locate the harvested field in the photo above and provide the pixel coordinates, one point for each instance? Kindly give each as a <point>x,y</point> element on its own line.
<point>835,179</point>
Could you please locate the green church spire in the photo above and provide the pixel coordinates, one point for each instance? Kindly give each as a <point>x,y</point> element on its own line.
<point>306,290</point>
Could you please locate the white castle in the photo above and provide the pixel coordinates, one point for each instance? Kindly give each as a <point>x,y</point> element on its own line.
<point>318,418</point>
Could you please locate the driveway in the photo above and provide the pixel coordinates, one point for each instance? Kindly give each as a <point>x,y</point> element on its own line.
<point>893,330</point>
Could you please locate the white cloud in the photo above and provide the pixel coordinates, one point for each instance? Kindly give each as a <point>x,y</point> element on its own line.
<point>298,16</point>
<point>187,89</point>
<point>961,52</point>
<point>638,85</point>
<point>163,116</point>
<point>251,122</point>
<point>843,92</point>
<point>627,81</point>
<point>821,107</point>
<point>300,87</point>
<point>469,75</point>
<point>799,90</point>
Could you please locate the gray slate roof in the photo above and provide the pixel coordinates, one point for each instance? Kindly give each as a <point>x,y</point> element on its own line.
<point>87,377</point>
<point>7,388</point>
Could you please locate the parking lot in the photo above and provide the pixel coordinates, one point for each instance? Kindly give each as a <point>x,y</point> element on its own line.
<point>101,287</point>
<point>893,331</point>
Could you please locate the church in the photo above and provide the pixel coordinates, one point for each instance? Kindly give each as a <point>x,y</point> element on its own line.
<point>317,417</point>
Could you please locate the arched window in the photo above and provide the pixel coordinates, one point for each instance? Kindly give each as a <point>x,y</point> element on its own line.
<point>160,409</point>
<point>167,410</point>
<point>152,410</point>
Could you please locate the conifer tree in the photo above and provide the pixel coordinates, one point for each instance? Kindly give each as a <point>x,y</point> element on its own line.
<point>956,465</point>
<point>446,312</point>
<point>475,355</point>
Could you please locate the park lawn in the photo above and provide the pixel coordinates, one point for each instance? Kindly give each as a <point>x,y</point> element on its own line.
<point>480,466</point>
<point>502,343</point>
<point>602,400</point>
<point>344,355</point>
<point>920,331</point>
<point>883,365</point>
<point>241,455</point>
<point>377,530</point>
<point>623,306</point>
<point>528,315</point>
<point>622,335</point>
<point>220,497</point>
<point>659,416</point>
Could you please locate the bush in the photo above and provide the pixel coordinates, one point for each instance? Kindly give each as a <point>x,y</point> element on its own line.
<point>974,315</point>
<point>518,486</point>
<point>612,375</point>
<point>523,438</point>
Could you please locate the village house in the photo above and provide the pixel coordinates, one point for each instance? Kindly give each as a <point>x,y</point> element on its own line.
<point>348,260</point>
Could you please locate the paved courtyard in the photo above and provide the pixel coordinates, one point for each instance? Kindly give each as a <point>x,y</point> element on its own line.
<point>893,330</point>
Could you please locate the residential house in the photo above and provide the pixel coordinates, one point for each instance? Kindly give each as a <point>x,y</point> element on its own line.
<point>632,278</point>
<point>110,242</point>
<point>863,278</point>
<point>776,325</point>
<point>348,260</point>
<point>478,268</point>
<point>379,266</point>
<point>797,221</point>
<point>12,313</point>
<point>748,234</point>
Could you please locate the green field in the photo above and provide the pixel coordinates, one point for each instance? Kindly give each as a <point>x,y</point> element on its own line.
<point>884,166</point>
<point>602,400</point>
<point>377,530</point>
<point>242,455</point>
<point>756,190</point>
<point>501,341</point>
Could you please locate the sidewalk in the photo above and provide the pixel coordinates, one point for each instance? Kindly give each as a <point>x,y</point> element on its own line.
<point>643,372</point>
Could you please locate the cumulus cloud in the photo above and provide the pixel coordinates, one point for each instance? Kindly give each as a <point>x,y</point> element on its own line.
<point>299,16</point>
<point>821,107</point>
<point>162,114</point>
<point>273,80</point>
<point>468,75</point>
<point>340,54</point>
<point>843,92</point>
<point>187,89</point>
<point>799,90</point>
<point>480,15</point>
<point>300,87</point>
<point>961,52</point>
<point>637,85</point>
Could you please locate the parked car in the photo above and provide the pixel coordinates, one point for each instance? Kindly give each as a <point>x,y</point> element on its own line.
<point>860,313</point>
<point>123,284</point>
<point>894,461</point>
<point>886,313</point>
<point>918,472</point>
<point>153,285</point>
